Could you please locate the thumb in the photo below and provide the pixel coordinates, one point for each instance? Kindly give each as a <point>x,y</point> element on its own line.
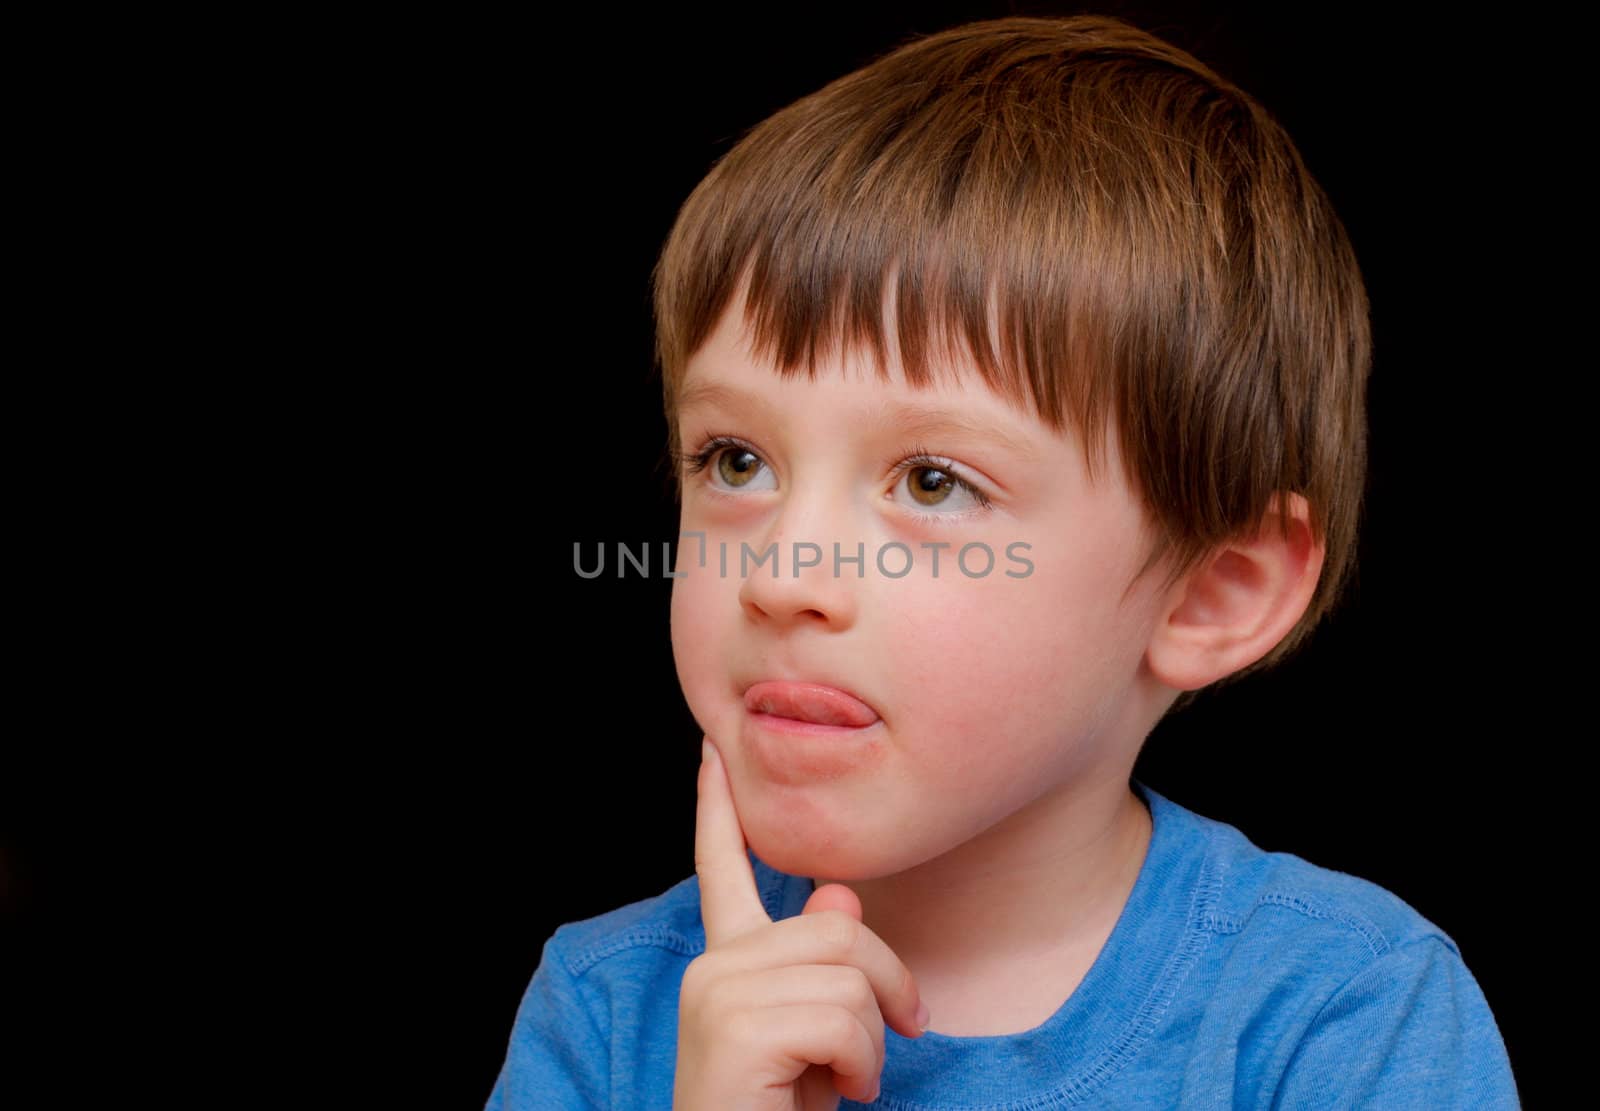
<point>834,896</point>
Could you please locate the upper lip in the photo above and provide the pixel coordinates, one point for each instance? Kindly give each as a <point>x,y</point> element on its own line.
<point>809,700</point>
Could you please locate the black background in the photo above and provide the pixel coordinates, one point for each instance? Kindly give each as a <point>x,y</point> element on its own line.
<point>398,741</point>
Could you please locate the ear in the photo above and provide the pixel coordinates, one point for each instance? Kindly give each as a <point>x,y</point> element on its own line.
<point>1238,605</point>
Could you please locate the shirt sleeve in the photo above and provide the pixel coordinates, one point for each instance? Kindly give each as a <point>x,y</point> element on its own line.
<point>558,1054</point>
<point>1411,1030</point>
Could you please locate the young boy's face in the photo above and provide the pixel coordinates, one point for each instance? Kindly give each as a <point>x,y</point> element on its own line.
<point>1009,675</point>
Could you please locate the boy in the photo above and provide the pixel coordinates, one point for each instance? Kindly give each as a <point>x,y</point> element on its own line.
<point>1017,383</point>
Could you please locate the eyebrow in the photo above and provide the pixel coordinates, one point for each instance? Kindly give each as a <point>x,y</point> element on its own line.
<point>904,417</point>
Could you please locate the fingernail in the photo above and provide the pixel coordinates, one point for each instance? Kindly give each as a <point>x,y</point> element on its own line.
<point>923,1017</point>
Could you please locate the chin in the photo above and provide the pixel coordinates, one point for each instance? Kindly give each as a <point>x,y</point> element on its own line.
<point>800,848</point>
<point>805,860</point>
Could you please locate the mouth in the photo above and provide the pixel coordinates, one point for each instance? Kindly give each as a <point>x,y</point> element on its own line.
<point>783,703</point>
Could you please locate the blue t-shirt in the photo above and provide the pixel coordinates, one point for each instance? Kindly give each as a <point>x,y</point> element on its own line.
<point>1234,977</point>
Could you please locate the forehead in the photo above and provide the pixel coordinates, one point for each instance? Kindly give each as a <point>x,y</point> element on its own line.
<point>727,375</point>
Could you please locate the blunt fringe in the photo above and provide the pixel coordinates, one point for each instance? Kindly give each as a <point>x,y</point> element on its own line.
<point>1101,226</point>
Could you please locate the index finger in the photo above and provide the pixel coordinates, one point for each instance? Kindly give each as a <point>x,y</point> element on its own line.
<point>730,904</point>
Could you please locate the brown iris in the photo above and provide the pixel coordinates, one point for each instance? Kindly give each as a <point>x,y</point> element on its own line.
<point>739,472</point>
<point>940,485</point>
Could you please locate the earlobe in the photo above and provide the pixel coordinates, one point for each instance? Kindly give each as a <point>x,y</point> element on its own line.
<point>1240,603</point>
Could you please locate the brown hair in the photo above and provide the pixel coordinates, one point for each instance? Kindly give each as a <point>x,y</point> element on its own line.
<point>1139,235</point>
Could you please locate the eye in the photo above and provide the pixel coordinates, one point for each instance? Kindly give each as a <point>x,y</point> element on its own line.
<point>738,466</point>
<point>930,485</point>
<point>735,463</point>
<point>932,482</point>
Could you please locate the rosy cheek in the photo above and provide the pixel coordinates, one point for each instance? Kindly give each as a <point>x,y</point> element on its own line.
<point>951,650</point>
<point>694,646</point>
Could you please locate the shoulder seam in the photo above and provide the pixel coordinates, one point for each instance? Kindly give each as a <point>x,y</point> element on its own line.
<point>1376,943</point>
<point>1371,935</point>
<point>658,936</point>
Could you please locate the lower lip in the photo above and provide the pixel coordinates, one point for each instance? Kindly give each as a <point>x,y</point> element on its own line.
<point>797,751</point>
<point>807,728</point>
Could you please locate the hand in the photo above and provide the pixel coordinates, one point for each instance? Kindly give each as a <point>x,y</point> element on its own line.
<point>780,1016</point>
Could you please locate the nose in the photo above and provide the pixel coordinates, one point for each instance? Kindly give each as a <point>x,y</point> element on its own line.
<point>800,546</point>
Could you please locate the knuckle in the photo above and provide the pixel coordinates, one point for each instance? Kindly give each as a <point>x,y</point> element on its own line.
<point>838,931</point>
<point>862,997</point>
<point>843,1029</point>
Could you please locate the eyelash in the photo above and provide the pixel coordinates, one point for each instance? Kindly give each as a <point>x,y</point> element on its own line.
<point>697,461</point>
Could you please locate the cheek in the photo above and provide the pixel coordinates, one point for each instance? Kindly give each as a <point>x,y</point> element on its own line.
<point>994,673</point>
<point>695,648</point>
